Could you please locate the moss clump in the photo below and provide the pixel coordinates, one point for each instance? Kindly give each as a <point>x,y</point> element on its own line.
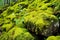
<point>53,38</point>
<point>41,23</point>
<point>17,33</point>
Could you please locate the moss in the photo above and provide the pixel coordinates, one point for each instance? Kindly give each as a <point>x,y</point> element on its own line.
<point>17,33</point>
<point>42,21</point>
<point>34,15</point>
<point>53,38</point>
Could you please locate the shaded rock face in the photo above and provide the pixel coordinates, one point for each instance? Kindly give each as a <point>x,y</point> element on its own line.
<point>51,30</point>
<point>46,31</point>
<point>57,13</point>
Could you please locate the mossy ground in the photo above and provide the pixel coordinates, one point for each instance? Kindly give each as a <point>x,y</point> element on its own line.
<point>18,21</point>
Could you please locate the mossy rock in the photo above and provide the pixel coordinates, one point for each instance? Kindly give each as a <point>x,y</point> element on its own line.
<point>36,16</point>
<point>17,33</point>
<point>41,23</point>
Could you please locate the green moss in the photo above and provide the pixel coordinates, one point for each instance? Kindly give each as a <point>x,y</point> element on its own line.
<point>35,15</point>
<point>42,21</point>
<point>53,38</point>
<point>17,33</point>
